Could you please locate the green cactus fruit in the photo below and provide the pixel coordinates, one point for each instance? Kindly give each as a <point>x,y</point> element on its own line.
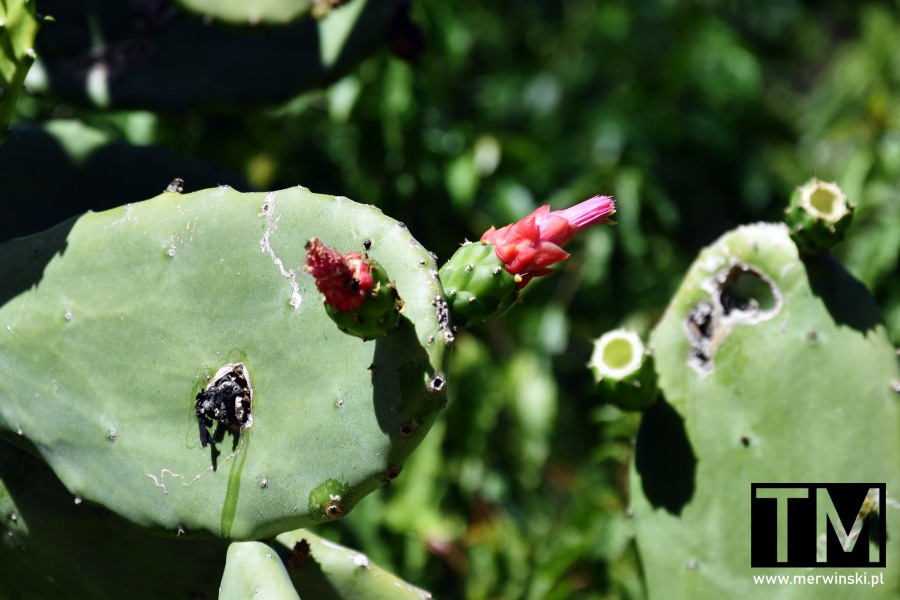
<point>144,55</point>
<point>18,28</point>
<point>477,285</point>
<point>774,368</point>
<point>623,369</point>
<point>254,570</point>
<point>53,545</point>
<point>321,569</point>
<point>819,216</point>
<point>123,329</point>
<point>357,294</point>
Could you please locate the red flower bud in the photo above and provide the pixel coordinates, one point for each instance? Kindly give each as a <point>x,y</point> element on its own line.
<point>344,280</point>
<point>529,247</point>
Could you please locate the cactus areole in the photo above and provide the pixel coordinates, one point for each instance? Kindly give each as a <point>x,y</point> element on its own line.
<point>483,280</point>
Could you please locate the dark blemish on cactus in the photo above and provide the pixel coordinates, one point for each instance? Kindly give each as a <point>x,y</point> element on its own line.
<point>407,428</point>
<point>436,384</point>
<point>740,295</point>
<point>812,336</point>
<point>177,185</point>
<point>367,244</point>
<point>745,441</point>
<point>371,368</point>
<point>392,474</point>
<point>227,399</point>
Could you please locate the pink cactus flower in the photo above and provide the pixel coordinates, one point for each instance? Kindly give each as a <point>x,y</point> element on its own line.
<point>344,280</point>
<point>529,247</point>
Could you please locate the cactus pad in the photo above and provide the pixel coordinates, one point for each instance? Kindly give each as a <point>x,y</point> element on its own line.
<point>116,322</point>
<point>773,369</point>
<point>53,545</point>
<point>151,55</point>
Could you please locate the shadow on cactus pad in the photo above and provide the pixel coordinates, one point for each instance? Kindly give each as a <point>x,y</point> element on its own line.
<point>664,458</point>
<point>841,293</point>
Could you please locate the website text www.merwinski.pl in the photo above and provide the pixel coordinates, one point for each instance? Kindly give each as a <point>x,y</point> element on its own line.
<point>861,579</point>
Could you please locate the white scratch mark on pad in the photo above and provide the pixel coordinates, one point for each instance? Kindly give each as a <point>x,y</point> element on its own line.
<point>268,211</point>
<point>161,483</point>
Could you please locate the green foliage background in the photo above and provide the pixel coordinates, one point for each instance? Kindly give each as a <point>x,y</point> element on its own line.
<point>696,115</point>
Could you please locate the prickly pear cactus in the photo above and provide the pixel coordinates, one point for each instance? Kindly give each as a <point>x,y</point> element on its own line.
<point>773,369</point>
<point>117,324</point>
<point>18,27</point>
<point>114,54</point>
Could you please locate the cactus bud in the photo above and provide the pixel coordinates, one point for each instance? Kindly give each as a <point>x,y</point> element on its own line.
<point>358,295</point>
<point>818,216</point>
<point>483,280</point>
<point>623,369</point>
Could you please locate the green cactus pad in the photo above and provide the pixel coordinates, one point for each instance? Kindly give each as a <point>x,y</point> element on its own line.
<point>242,12</point>
<point>477,285</point>
<point>774,369</point>
<point>18,28</point>
<point>113,322</point>
<point>623,369</point>
<point>323,570</point>
<point>819,216</point>
<point>53,545</point>
<point>254,570</point>
<point>150,55</point>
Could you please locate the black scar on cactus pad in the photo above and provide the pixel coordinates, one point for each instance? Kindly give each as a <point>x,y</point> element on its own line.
<point>227,399</point>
